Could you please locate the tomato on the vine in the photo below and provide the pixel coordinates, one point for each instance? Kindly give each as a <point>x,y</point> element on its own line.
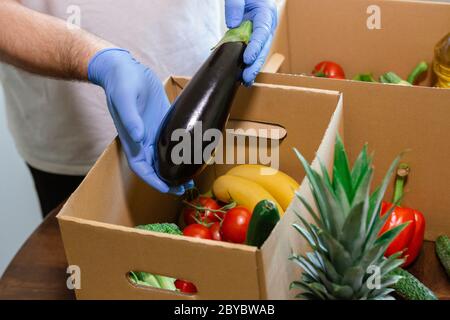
<point>235,224</point>
<point>215,231</point>
<point>204,210</point>
<point>198,231</point>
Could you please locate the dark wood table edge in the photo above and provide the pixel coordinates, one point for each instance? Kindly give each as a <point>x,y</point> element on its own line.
<point>38,270</point>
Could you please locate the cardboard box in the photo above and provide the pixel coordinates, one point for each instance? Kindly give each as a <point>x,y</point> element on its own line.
<point>363,36</point>
<point>391,120</point>
<point>415,117</point>
<point>394,121</point>
<point>97,221</point>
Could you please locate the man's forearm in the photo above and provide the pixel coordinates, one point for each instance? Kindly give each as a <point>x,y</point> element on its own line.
<point>43,44</point>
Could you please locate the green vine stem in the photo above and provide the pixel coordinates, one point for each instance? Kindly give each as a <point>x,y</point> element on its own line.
<point>242,33</point>
<point>224,209</point>
<point>400,182</point>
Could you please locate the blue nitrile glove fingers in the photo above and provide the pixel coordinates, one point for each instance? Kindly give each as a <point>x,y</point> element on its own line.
<point>137,103</point>
<point>263,14</point>
<point>252,71</point>
<point>234,13</point>
<point>100,72</point>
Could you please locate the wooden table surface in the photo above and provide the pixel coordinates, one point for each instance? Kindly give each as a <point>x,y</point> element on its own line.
<point>38,271</point>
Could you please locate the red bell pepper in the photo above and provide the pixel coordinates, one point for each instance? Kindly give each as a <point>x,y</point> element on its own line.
<point>410,240</point>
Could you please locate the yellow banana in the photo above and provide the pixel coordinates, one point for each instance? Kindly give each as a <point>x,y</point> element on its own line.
<point>244,192</point>
<point>281,186</point>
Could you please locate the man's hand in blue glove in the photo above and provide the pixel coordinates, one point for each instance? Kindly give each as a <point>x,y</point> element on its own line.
<point>138,103</point>
<point>263,14</point>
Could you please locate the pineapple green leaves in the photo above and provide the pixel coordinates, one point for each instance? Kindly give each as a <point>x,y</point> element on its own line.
<point>347,259</point>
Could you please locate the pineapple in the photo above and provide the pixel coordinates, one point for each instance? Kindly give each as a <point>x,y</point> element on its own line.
<point>347,260</point>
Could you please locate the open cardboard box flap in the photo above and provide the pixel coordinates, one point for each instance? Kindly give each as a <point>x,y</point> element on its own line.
<point>97,220</point>
<point>279,273</point>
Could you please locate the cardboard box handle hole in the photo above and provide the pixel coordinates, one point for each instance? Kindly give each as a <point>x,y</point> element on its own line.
<point>253,129</point>
<point>144,281</point>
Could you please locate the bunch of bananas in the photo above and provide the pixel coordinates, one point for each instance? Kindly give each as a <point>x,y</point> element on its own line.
<point>249,184</point>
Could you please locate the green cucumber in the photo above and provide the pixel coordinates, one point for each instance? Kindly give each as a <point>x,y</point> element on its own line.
<point>421,68</point>
<point>410,288</point>
<point>443,252</point>
<point>264,218</point>
<point>365,77</point>
<point>145,279</point>
<point>393,78</point>
<point>166,283</point>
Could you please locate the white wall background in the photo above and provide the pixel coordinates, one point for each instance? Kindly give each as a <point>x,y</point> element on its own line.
<point>19,207</point>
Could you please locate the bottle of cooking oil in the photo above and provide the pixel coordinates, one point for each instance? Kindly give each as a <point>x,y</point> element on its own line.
<point>441,63</point>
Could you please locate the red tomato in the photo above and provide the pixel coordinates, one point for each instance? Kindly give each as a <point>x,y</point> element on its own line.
<point>197,231</point>
<point>185,287</point>
<point>215,231</point>
<point>329,69</point>
<point>206,216</point>
<point>235,225</point>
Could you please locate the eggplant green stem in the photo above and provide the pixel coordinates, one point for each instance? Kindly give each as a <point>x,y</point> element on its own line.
<point>417,72</point>
<point>242,33</point>
<point>400,182</point>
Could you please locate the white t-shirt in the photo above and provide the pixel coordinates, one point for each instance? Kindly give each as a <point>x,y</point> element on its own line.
<point>61,126</point>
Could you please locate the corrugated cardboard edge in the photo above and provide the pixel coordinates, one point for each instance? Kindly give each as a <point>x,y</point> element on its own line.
<point>261,276</point>
<point>181,81</point>
<point>304,89</point>
<point>357,83</point>
<point>109,226</point>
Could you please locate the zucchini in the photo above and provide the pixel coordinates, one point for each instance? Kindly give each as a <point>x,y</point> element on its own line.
<point>410,288</point>
<point>264,218</point>
<point>443,252</point>
<point>365,77</point>
<point>421,68</point>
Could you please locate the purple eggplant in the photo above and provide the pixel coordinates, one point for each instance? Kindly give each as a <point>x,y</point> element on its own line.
<point>204,104</point>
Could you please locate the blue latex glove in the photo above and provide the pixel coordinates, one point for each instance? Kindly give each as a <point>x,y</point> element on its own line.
<point>263,14</point>
<point>137,103</point>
